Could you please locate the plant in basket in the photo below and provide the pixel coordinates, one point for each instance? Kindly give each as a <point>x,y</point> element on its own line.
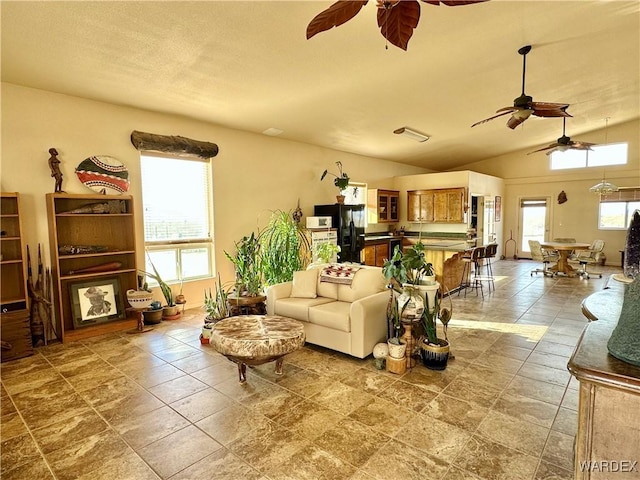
<point>170,309</point>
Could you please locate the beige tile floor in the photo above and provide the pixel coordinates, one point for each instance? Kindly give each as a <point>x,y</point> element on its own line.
<point>160,405</point>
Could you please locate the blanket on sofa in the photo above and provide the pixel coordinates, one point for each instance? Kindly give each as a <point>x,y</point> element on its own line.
<point>337,273</point>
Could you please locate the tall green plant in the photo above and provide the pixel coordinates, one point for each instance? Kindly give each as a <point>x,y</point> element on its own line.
<point>284,248</point>
<point>247,262</point>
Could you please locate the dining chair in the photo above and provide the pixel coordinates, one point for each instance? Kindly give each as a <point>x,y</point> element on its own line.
<point>541,255</point>
<point>591,256</point>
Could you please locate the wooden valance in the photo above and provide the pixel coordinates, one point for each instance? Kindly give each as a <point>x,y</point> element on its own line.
<point>173,144</point>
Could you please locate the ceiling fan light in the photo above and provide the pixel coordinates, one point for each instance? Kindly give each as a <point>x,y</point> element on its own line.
<point>412,134</point>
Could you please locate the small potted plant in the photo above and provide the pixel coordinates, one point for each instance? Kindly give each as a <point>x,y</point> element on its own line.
<point>170,309</point>
<point>434,351</point>
<point>325,251</point>
<point>341,180</point>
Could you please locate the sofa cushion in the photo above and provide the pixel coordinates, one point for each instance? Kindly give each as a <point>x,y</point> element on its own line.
<point>326,289</point>
<point>298,308</point>
<point>367,281</point>
<point>333,315</point>
<point>304,284</point>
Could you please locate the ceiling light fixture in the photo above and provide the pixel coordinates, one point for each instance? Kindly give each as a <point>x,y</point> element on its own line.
<point>604,187</point>
<point>412,134</point>
<point>273,132</point>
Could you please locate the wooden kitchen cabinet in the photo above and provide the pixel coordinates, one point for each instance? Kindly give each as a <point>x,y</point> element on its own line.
<point>375,254</point>
<point>444,205</point>
<point>382,206</point>
<point>420,206</point>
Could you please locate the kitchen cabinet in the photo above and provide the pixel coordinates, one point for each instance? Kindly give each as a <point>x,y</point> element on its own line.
<point>444,205</point>
<point>420,206</point>
<point>92,243</point>
<point>382,206</point>
<point>375,254</point>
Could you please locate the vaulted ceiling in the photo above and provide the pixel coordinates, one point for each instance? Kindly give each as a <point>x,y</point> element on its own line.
<point>249,66</point>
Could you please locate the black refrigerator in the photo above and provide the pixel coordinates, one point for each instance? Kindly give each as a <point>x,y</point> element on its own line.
<point>349,222</point>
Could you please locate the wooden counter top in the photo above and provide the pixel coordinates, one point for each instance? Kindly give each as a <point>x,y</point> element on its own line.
<point>591,360</point>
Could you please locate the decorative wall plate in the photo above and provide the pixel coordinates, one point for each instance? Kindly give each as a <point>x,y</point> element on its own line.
<point>104,174</point>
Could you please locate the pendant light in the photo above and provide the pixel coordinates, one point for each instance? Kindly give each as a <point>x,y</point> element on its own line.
<point>604,187</point>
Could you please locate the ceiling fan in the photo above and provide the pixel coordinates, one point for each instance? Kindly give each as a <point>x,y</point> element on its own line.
<point>564,143</point>
<point>524,106</point>
<point>396,18</point>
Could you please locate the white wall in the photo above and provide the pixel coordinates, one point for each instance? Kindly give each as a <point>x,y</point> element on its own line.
<point>252,175</point>
<point>530,175</point>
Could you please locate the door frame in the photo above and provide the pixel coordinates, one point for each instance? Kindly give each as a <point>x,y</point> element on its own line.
<point>547,223</point>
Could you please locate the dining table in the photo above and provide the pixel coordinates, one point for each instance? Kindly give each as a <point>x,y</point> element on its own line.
<point>564,250</point>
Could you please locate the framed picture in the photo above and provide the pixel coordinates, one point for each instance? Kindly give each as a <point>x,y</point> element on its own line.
<point>96,301</point>
<point>498,206</point>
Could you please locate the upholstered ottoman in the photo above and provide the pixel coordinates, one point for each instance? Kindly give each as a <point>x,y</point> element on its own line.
<point>257,339</point>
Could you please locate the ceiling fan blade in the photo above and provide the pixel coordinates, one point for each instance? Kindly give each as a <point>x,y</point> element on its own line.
<point>547,109</point>
<point>508,110</point>
<point>553,145</point>
<point>577,145</point>
<point>453,3</point>
<point>340,12</point>
<point>518,117</point>
<point>398,21</point>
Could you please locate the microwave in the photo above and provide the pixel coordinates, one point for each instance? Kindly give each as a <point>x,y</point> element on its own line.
<point>318,222</point>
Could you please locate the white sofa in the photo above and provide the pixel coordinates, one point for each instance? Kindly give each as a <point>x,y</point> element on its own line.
<point>350,318</point>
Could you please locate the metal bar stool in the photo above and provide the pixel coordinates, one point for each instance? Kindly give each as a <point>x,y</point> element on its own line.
<point>470,280</point>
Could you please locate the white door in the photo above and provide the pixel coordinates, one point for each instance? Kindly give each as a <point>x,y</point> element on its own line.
<point>533,223</point>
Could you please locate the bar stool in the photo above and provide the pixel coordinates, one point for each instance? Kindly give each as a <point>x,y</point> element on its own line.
<point>490,252</point>
<point>468,280</point>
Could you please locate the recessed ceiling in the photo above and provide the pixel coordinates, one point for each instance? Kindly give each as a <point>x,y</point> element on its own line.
<point>248,66</point>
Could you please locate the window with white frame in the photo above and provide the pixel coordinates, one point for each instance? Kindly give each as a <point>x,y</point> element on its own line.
<point>598,156</point>
<point>616,209</point>
<point>178,220</point>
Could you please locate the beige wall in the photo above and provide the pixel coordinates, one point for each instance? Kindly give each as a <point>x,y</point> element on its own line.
<point>252,175</point>
<point>529,175</point>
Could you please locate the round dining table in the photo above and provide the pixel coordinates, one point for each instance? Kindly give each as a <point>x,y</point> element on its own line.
<point>564,250</point>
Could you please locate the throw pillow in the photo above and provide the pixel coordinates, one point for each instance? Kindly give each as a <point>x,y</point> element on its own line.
<point>304,284</point>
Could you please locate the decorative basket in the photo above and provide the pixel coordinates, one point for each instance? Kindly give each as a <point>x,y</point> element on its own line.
<point>139,299</point>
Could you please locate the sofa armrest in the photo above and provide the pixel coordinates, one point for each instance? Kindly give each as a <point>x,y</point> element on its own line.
<point>368,323</point>
<point>274,292</point>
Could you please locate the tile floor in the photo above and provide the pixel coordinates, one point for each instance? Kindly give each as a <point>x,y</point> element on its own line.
<point>160,405</point>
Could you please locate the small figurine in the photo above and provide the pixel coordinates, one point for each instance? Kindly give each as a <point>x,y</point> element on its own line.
<point>54,165</point>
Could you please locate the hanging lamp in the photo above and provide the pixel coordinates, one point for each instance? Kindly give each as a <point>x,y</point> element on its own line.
<point>604,187</point>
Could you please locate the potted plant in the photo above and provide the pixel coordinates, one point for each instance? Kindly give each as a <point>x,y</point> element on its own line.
<point>170,309</point>
<point>407,273</point>
<point>434,351</point>
<point>216,304</point>
<point>341,180</point>
<point>284,248</point>
<point>326,251</point>
<point>248,279</point>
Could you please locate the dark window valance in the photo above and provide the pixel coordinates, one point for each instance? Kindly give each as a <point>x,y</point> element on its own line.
<point>150,142</point>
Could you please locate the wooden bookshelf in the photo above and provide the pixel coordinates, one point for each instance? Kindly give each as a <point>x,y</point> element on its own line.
<point>97,232</point>
<point>14,304</point>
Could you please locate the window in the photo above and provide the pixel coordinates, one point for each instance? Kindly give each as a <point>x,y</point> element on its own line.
<point>600,155</point>
<point>176,200</point>
<point>617,208</point>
